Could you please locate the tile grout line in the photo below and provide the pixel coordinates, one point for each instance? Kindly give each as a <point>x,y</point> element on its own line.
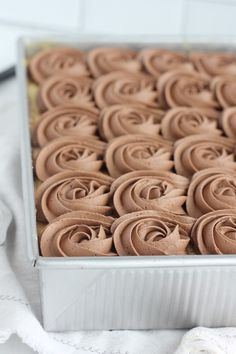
<point>81,16</point>
<point>185,12</point>
<point>23,25</point>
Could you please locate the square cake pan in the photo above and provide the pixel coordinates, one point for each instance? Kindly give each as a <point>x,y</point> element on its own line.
<point>102,293</point>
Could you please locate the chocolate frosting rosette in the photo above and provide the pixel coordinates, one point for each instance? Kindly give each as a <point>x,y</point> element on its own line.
<point>120,87</point>
<point>157,61</point>
<point>69,153</point>
<point>73,191</point>
<point>65,121</point>
<point>143,190</point>
<point>213,63</point>
<point>138,152</point>
<point>224,89</point>
<point>198,152</point>
<point>185,88</point>
<point>228,122</point>
<point>211,189</point>
<point>183,121</point>
<point>151,233</point>
<point>214,233</point>
<point>78,234</point>
<point>125,119</point>
<point>104,60</point>
<point>62,90</point>
<point>53,61</point>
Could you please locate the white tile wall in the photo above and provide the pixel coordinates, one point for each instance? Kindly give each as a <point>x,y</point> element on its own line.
<point>52,14</point>
<point>210,17</point>
<point>133,16</point>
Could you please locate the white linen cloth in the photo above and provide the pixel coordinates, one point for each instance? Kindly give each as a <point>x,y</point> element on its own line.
<point>18,317</point>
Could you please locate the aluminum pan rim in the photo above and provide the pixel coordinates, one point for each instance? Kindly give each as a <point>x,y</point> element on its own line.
<point>27,175</point>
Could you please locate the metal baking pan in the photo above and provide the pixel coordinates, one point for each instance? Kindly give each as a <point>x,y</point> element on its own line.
<point>96,293</point>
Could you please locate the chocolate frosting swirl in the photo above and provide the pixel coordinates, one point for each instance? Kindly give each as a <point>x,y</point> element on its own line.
<point>214,233</point>
<point>125,119</point>
<point>138,152</point>
<point>62,90</point>
<point>65,121</point>
<point>211,189</point>
<point>183,121</point>
<point>224,89</point>
<point>185,88</point>
<point>78,234</point>
<point>104,60</point>
<point>198,152</point>
<point>143,190</point>
<point>228,122</point>
<point>120,87</point>
<point>213,63</point>
<point>157,61</point>
<point>73,191</point>
<point>49,62</point>
<point>69,153</point>
<point>151,233</point>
